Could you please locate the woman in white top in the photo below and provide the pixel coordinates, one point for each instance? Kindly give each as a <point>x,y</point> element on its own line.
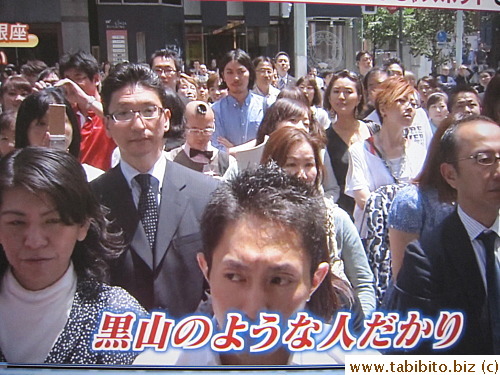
<point>55,245</point>
<point>387,157</point>
<point>310,88</point>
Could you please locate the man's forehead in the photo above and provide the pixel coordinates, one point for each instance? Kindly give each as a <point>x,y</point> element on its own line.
<point>478,129</point>
<point>467,97</point>
<point>137,92</point>
<point>163,61</point>
<point>74,72</point>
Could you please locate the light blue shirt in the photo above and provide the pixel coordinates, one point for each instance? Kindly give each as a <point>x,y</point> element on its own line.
<point>238,124</point>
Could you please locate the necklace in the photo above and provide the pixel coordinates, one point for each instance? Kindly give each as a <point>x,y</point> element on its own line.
<point>396,175</point>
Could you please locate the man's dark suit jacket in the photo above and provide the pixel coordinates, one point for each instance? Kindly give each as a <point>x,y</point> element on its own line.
<point>441,273</point>
<point>167,277</point>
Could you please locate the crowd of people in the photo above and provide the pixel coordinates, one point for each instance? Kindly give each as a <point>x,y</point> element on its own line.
<point>146,187</point>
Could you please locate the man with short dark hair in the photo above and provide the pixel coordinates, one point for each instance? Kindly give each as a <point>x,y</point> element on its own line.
<point>81,78</point>
<point>364,62</point>
<point>285,80</point>
<point>457,266</point>
<point>156,203</point>
<point>464,101</point>
<point>168,66</point>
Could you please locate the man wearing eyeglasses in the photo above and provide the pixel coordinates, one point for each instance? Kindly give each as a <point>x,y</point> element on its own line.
<point>197,152</point>
<point>457,266</point>
<point>155,202</point>
<point>167,65</point>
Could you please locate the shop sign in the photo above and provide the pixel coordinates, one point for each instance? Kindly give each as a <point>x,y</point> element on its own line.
<point>16,35</point>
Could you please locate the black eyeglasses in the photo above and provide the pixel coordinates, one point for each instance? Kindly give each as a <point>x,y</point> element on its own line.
<point>148,113</point>
<point>484,158</point>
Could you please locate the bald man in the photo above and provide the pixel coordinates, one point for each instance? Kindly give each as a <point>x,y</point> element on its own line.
<point>197,152</point>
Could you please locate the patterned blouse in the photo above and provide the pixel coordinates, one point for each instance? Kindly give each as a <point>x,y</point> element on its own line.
<point>74,344</point>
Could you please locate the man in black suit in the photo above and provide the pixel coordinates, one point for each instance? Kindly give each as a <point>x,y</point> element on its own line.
<point>455,268</point>
<point>156,203</point>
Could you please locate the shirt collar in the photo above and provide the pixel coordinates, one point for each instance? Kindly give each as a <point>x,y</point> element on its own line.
<point>157,171</point>
<point>235,103</point>
<point>473,227</point>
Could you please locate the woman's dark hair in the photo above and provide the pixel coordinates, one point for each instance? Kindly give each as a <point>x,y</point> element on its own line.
<point>241,57</point>
<point>436,97</point>
<point>296,94</point>
<point>293,93</point>
<point>47,72</point>
<point>261,59</point>
<point>318,98</point>
<point>282,110</point>
<point>357,83</point>
<point>8,120</point>
<point>491,99</point>
<point>270,194</point>
<point>15,83</point>
<point>282,140</point>
<point>35,106</point>
<point>58,175</point>
<point>177,107</point>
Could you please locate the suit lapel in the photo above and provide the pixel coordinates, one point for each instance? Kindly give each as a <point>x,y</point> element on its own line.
<point>172,207</point>
<point>120,201</point>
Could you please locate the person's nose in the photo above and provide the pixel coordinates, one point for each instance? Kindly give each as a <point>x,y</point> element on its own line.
<point>341,95</point>
<point>35,237</point>
<point>19,98</point>
<point>301,173</point>
<point>255,301</point>
<point>138,123</point>
<point>468,110</point>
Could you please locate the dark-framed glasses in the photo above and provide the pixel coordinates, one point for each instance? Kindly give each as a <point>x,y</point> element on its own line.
<point>147,113</point>
<point>484,158</point>
<point>160,70</point>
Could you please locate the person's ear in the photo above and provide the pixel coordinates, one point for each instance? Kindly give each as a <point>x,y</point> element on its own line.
<point>97,79</point>
<point>382,111</point>
<point>319,276</point>
<point>83,230</point>
<point>107,123</point>
<point>167,115</point>
<point>449,173</point>
<point>202,263</point>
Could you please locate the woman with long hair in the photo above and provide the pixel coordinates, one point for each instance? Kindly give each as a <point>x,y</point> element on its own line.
<point>299,153</point>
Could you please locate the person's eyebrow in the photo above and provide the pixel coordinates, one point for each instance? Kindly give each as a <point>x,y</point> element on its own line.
<point>284,267</point>
<point>20,213</point>
<point>234,264</point>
